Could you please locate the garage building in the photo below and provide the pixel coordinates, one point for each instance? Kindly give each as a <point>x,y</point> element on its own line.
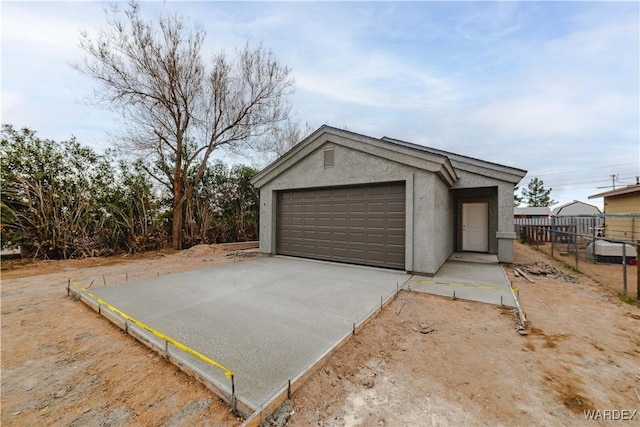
<point>346,197</point>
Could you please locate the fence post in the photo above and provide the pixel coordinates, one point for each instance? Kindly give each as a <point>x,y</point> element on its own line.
<point>575,239</point>
<point>624,268</point>
<point>593,240</point>
<point>553,234</point>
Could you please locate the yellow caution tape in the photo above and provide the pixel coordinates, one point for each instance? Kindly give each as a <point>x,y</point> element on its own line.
<point>100,301</point>
<point>433,282</point>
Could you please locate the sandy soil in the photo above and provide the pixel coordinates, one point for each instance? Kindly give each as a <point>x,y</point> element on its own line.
<point>610,276</point>
<point>63,364</point>
<point>582,352</point>
<point>438,362</point>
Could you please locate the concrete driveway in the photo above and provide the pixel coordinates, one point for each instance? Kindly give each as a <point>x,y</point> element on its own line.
<point>268,319</point>
<point>474,281</point>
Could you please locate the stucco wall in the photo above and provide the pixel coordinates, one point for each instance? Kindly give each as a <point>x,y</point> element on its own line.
<point>443,239</point>
<point>427,240</point>
<point>500,238</point>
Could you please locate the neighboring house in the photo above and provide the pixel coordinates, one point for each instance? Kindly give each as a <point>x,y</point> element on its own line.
<point>622,201</point>
<point>532,212</point>
<point>575,208</point>
<point>341,196</point>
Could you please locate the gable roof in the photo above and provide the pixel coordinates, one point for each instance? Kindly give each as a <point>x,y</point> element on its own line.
<point>619,192</point>
<point>575,205</point>
<point>440,162</point>
<point>470,164</point>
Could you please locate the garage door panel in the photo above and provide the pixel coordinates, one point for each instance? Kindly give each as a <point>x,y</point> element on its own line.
<point>374,255</point>
<point>356,238</point>
<point>395,240</point>
<point>375,223</point>
<point>376,208</point>
<point>395,224</point>
<point>324,207</point>
<point>340,222</point>
<point>357,191</point>
<point>375,239</point>
<point>356,254</point>
<point>340,207</point>
<point>363,225</point>
<point>339,252</point>
<point>357,208</point>
<point>340,236</point>
<point>357,222</point>
<point>395,257</point>
<point>395,207</point>
<point>324,221</point>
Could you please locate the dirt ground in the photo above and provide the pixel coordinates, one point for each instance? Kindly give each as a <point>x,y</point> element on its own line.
<point>63,364</point>
<point>582,352</point>
<point>608,275</point>
<point>438,362</point>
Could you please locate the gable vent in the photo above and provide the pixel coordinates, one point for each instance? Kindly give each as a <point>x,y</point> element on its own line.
<point>328,157</point>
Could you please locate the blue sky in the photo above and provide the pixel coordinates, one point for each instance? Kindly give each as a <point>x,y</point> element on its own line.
<point>550,87</point>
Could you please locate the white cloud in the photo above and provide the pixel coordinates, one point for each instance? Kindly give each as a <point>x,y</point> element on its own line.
<point>47,29</point>
<point>577,86</point>
<point>541,86</point>
<point>489,21</point>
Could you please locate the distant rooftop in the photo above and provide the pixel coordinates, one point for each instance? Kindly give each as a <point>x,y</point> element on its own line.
<point>618,192</point>
<point>532,211</point>
<point>575,208</point>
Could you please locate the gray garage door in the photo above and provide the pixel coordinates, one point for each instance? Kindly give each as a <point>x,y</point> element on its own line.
<point>360,225</point>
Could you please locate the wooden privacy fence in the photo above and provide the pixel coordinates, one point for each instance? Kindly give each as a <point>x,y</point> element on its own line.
<point>557,229</point>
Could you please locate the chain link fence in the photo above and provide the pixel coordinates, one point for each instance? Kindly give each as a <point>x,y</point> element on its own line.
<point>604,247</point>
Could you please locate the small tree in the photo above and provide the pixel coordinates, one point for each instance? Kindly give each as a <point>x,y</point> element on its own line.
<point>178,108</point>
<point>516,198</point>
<point>536,195</point>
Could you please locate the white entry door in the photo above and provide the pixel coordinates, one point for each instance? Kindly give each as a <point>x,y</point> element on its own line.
<point>475,227</point>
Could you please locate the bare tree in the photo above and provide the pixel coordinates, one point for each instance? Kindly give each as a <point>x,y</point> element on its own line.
<point>282,138</point>
<point>177,108</point>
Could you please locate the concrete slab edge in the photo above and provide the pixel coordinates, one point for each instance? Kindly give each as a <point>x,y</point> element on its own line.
<point>452,298</point>
<point>523,319</point>
<point>260,415</point>
<point>242,407</point>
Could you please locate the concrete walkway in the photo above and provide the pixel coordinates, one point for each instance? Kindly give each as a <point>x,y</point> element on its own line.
<point>470,279</point>
<point>267,319</point>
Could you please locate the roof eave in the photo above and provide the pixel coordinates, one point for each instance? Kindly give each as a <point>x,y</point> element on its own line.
<point>431,162</point>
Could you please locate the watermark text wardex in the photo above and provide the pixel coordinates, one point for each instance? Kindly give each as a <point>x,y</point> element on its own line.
<point>611,414</point>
